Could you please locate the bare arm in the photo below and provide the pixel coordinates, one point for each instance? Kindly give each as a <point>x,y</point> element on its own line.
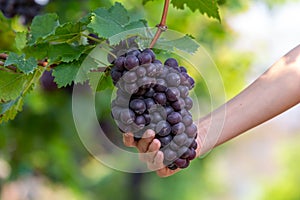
<point>275,91</point>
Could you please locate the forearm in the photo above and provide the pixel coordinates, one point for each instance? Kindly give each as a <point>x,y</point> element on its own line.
<point>272,93</point>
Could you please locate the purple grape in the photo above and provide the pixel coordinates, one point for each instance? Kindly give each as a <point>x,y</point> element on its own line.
<point>149,103</point>
<point>178,105</point>
<point>171,62</point>
<point>151,53</point>
<point>178,128</point>
<point>119,63</point>
<point>173,79</point>
<point>184,91</point>
<point>188,103</point>
<point>187,120</point>
<point>130,77</point>
<point>144,58</point>
<point>131,62</point>
<point>172,94</point>
<point>131,88</point>
<point>180,139</point>
<point>140,71</point>
<point>140,121</point>
<point>191,130</point>
<point>127,116</point>
<point>163,128</point>
<point>174,118</point>
<point>169,155</point>
<point>138,106</point>
<point>133,53</point>
<point>165,140</point>
<point>160,98</point>
<point>156,117</point>
<point>182,69</point>
<point>181,163</point>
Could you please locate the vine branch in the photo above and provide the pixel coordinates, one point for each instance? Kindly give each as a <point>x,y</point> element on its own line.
<point>161,27</point>
<point>3,56</point>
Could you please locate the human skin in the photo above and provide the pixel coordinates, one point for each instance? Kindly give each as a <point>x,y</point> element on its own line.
<point>272,93</point>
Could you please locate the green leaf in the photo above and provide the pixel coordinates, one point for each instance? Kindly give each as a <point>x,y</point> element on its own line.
<point>64,52</point>
<point>65,32</point>
<point>43,26</point>
<point>66,73</point>
<point>20,40</point>
<point>7,34</point>
<point>12,85</point>
<point>9,110</point>
<point>185,43</point>
<point>146,1</point>
<point>107,23</point>
<point>25,65</point>
<point>208,7</point>
<point>100,81</point>
<point>38,51</point>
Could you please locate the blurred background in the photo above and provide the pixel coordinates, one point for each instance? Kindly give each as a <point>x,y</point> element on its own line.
<point>42,157</point>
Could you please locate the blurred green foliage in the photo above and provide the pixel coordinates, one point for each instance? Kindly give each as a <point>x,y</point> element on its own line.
<point>42,140</point>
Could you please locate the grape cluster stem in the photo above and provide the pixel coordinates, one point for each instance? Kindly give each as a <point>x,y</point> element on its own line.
<point>161,27</point>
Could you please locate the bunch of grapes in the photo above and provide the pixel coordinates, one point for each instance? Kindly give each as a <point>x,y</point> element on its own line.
<point>28,9</point>
<point>153,95</point>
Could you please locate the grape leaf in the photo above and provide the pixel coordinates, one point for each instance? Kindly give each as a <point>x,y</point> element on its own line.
<point>25,65</point>
<point>100,81</point>
<point>64,52</point>
<point>11,85</point>
<point>66,73</point>
<point>208,7</point>
<point>6,33</point>
<point>38,51</point>
<point>65,32</point>
<point>20,40</point>
<point>185,43</point>
<point>43,26</point>
<point>9,110</point>
<point>107,23</point>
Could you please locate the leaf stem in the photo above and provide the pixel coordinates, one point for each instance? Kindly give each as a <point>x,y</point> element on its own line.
<point>161,27</point>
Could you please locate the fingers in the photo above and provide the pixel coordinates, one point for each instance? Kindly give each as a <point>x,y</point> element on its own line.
<point>145,141</point>
<point>128,140</point>
<point>151,152</point>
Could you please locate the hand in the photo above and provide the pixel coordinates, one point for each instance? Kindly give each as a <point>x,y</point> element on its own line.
<point>148,148</point>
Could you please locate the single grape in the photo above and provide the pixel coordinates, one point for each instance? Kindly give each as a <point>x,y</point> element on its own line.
<point>165,140</point>
<point>149,103</point>
<point>182,69</point>
<point>181,163</point>
<point>163,128</point>
<point>147,118</point>
<point>187,120</point>
<point>169,155</point>
<point>141,71</point>
<point>131,62</point>
<point>160,85</point>
<point>174,118</point>
<point>192,154</point>
<point>130,77</point>
<point>119,63</point>
<point>172,166</point>
<point>131,88</point>
<point>191,130</point>
<point>144,58</point>
<point>138,106</point>
<point>178,105</point>
<point>173,79</point>
<point>191,82</point>
<point>160,98</point>
<point>140,121</point>
<point>151,69</point>
<point>180,139</point>
<point>178,128</point>
<point>184,91</point>
<point>186,154</point>
<point>174,146</point>
<point>115,75</point>
<point>172,94</point>
<point>188,103</point>
<point>156,117</point>
<point>127,116</point>
<point>171,62</point>
<point>150,52</point>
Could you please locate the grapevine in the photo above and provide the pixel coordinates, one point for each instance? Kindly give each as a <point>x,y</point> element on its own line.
<point>155,92</point>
